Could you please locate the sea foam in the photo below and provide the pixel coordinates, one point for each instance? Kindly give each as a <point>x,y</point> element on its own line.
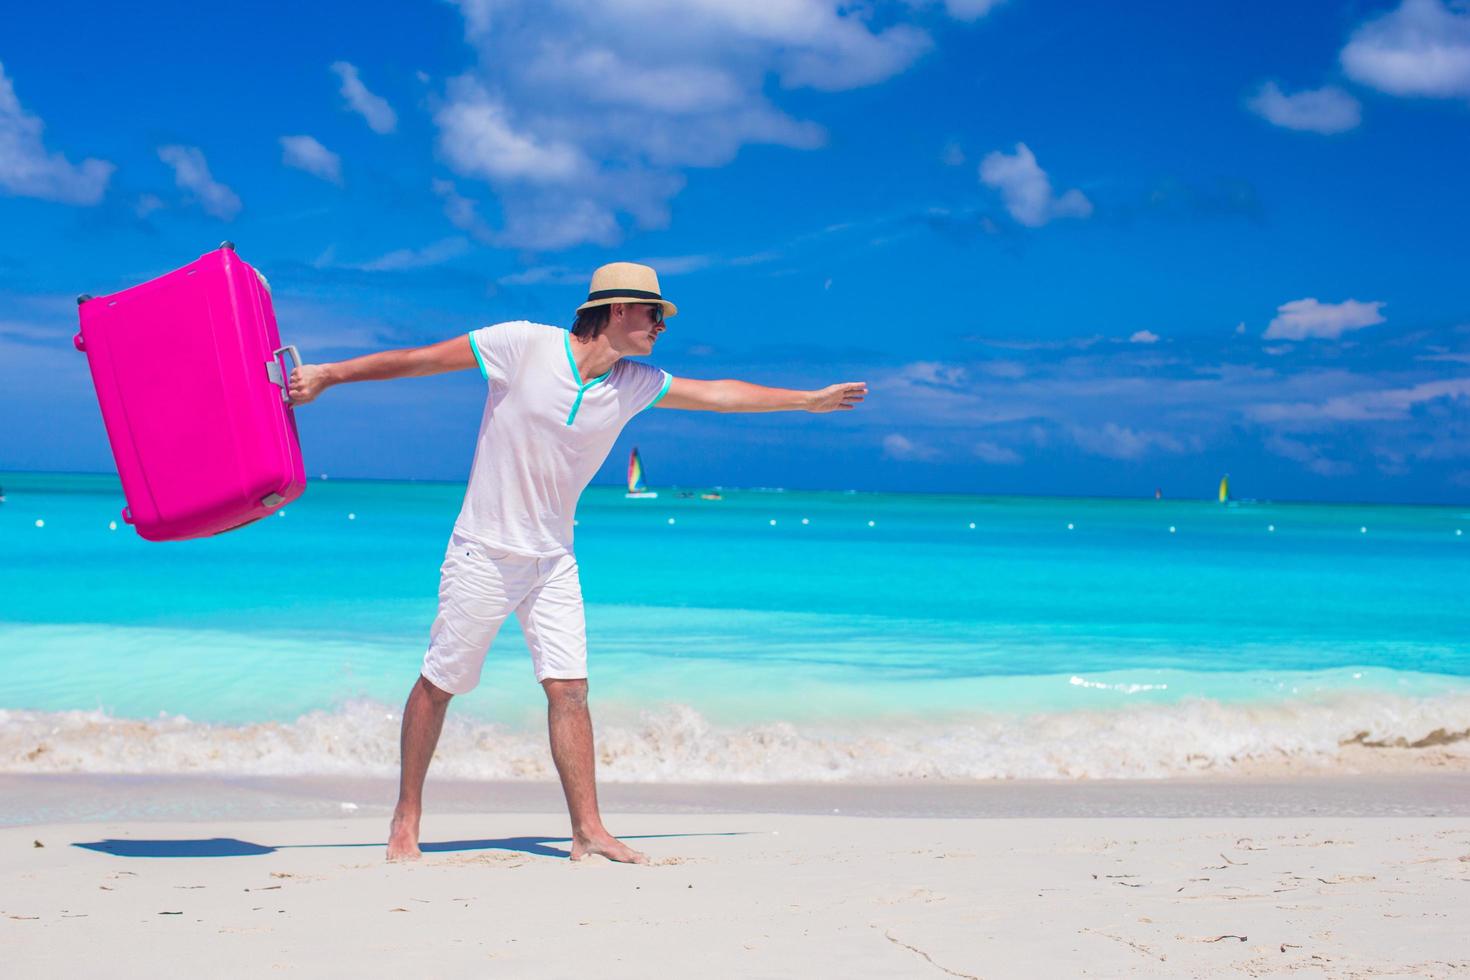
<point>1346,732</point>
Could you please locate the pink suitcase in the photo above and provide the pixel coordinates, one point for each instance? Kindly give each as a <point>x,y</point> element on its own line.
<point>189,374</point>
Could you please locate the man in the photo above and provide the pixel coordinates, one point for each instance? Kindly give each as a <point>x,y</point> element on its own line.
<point>556,404</point>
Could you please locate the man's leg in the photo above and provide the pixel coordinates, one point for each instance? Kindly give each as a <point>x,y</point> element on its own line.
<point>423,719</point>
<point>571,748</point>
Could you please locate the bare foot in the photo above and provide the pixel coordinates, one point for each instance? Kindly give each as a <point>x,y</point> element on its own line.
<point>609,847</point>
<point>403,838</point>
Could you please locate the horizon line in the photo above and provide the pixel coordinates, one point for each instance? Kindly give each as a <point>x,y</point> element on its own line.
<point>1207,498</point>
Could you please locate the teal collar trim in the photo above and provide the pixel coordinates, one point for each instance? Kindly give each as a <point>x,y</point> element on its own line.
<point>582,386</point>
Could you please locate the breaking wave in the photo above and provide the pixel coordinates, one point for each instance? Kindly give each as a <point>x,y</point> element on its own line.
<point>1339,733</point>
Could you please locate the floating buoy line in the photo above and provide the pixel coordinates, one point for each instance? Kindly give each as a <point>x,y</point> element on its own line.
<point>40,523</point>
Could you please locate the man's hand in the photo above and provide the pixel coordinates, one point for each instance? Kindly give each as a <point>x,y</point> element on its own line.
<point>838,398</point>
<point>308,381</point>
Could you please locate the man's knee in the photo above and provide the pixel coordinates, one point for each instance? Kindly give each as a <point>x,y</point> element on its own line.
<point>563,691</point>
<point>432,691</point>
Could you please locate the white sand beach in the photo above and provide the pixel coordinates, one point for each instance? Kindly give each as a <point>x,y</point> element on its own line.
<point>1364,877</point>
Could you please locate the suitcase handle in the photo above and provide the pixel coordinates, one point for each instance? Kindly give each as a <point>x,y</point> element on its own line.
<point>273,370</point>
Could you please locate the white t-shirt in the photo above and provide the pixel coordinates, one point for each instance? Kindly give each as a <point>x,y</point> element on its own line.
<point>543,435</point>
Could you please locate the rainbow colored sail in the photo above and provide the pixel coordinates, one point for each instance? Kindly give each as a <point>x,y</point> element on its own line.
<point>635,473</point>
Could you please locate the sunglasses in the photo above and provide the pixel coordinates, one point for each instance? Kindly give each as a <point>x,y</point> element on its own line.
<point>657,312</point>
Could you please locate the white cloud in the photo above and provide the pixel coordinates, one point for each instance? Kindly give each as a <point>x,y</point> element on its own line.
<point>581,133</point>
<point>843,53</point>
<point>27,170</point>
<point>191,173</point>
<point>379,114</point>
<point>1026,189</point>
<point>478,140</point>
<point>417,258</point>
<point>305,153</point>
<point>996,454</point>
<point>1121,442</point>
<point>935,374</point>
<point>1143,337</point>
<point>1311,457</point>
<point>147,204</point>
<point>666,265</point>
<point>1323,110</point>
<point>970,9</point>
<point>896,446</point>
<point>549,223</point>
<point>679,265</point>
<point>1302,319</point>
<point>462,212</point>
<point>557,275</point>
<point>1120,403</point>
<point>610,79</point>
<point>1010,370</point>
<point>1420,49</point>
<point>1371,405</point>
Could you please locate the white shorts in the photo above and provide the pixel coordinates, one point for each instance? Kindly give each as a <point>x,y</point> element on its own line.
<point>478,588</point>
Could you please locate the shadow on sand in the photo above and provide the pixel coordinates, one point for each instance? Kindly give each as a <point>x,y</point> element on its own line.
<point>214,847</point>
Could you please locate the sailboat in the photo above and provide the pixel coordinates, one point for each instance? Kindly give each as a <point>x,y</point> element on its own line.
<point>636,489</point>
<point>1225,489</point>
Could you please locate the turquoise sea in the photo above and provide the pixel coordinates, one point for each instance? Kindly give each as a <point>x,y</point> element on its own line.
<point>766,636</point>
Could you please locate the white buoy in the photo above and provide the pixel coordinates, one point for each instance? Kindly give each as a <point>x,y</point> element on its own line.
<point>1271,527</point>
<point>352,517</point>
<point>805,521</point>
<point>870,524</point>
<point>1071,527</point>
<point>1171,528</point>
<point>972,525</point>
<point>112,525</point>
<point>40,523</point>
<point>1362,530</point>
<point>280,513</point>
<point>773,522</point>
<point>671,520</point>
<point>1458,532</point>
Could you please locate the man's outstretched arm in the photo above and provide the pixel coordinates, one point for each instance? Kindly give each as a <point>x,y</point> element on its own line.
<point>741,396</point>
<point>454,354</point>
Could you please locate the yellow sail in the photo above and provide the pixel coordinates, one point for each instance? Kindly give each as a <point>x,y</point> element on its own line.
<point>1225,488</point>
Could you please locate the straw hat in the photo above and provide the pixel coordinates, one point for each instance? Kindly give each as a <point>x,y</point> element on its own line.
<point>625,282</point>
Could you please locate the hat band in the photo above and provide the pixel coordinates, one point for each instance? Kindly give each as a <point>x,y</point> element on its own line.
<point>615,293</point>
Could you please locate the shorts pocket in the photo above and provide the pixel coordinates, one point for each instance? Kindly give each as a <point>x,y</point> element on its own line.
<point>478,552</point>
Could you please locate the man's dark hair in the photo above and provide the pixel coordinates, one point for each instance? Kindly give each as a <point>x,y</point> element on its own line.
<point>590,323</point>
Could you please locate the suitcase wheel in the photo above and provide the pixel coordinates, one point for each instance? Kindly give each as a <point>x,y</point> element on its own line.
<point>127,515</point>
<point>78,343</point>
<point>228,245</point>
<point>83,298</point>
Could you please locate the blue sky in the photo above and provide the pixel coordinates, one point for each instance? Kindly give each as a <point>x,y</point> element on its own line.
<point>1089,249</point>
